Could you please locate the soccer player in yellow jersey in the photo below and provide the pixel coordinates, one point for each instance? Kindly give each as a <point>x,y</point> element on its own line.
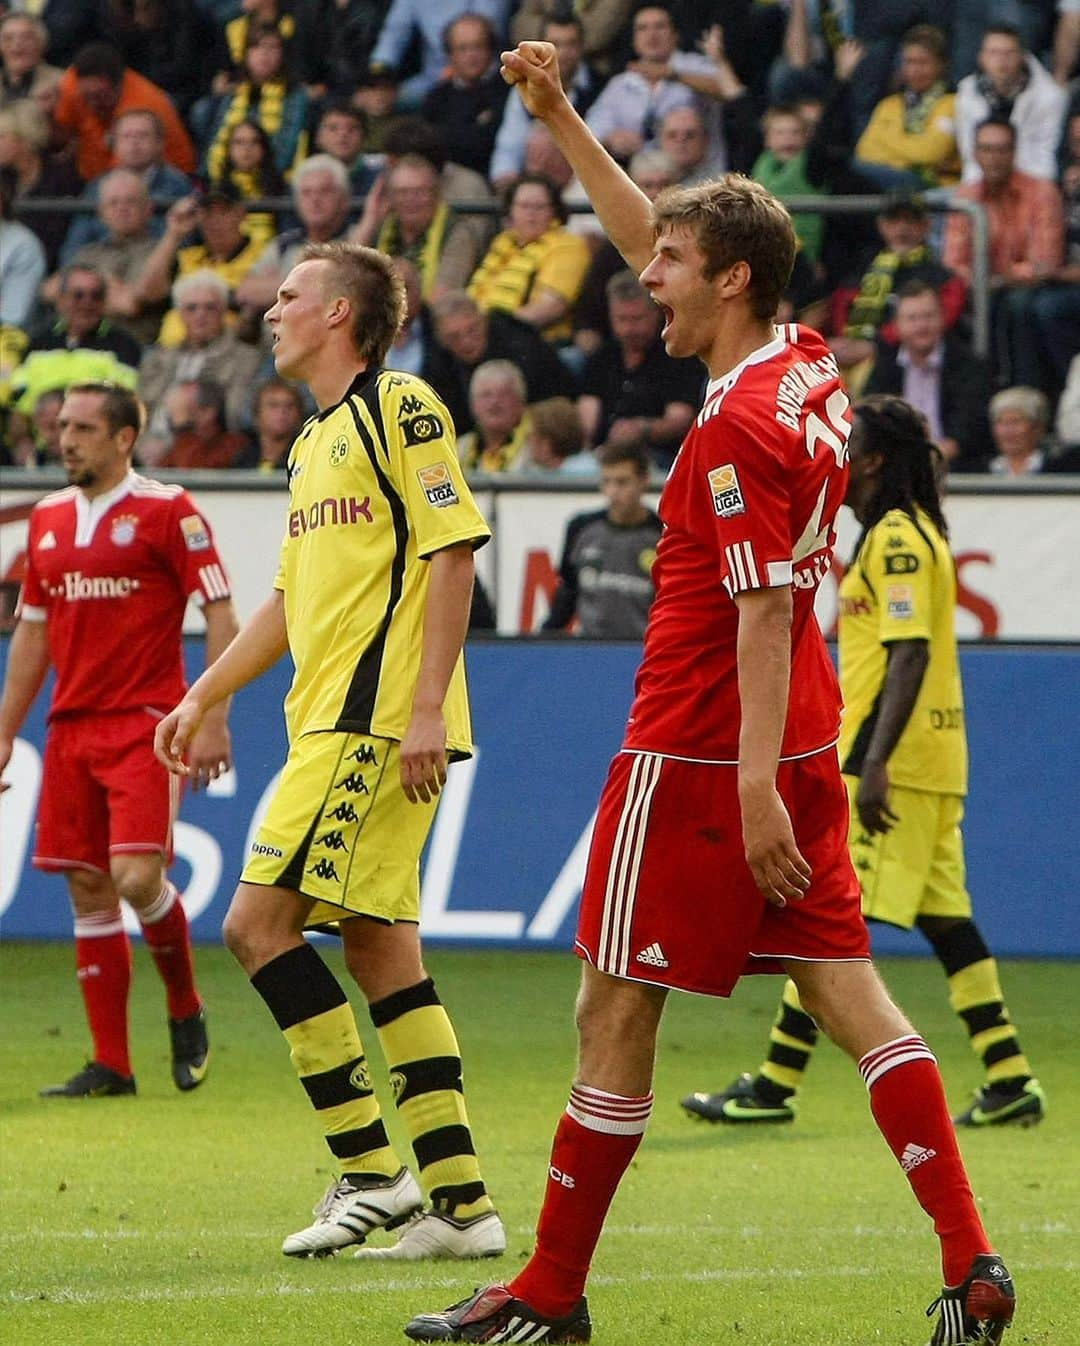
<point>903,749</point>
<point>372,601</point>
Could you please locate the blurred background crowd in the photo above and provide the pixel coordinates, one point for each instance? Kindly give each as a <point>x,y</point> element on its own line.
<point>163,163</point>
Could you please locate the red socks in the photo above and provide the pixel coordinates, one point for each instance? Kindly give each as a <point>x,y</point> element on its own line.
<point>596,1138</point>
<point>908,1103</point>
<point>165,929</point>
<point>103,966</point>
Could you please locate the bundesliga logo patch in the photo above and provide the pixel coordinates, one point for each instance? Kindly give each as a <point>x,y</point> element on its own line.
<point>901,606</point>
<point>438,485</point>
<point>196,537</point>
<point>726,493</point>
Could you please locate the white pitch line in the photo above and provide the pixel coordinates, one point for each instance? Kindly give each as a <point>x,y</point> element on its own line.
<point>706,1274</point>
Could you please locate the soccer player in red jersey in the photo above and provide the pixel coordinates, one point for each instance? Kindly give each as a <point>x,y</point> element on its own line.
<point>721,839</point>
<point>111,563</point>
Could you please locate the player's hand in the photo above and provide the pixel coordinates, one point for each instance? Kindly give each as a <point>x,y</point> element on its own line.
<point>534,68</point>
<point>779,870</point>
<point>210,754</point>
<point>872,799</point>
<point>174,734</point>
<point>423,756</point>
<point>7,746</point>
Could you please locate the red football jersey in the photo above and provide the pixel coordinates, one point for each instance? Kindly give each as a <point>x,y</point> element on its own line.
<point>750,503</point>
<point>112,577</point>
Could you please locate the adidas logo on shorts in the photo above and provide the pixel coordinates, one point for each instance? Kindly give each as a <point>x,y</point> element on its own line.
<point>914,1155</point>
<point>653,956</point>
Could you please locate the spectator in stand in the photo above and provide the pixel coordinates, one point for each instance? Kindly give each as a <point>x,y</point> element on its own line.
<point>138,145</point>
<point>278,414</point>
<point>413,135</point>
<point>295,24</point>
<point>164,40</point>
<point>467,103</point>
<point>863,311</point>
<point>200,437</point>
<point>470,337</point>
<point>407,20</point>
<point>249,167</point>
<point>910,143</point>
<point>24,138</point>
<point>1010,85</point>
<point>266,95</point>
<point>22,260</point>
<point>46,447</point>
<point>415,350</point>
<point>605,576</point>
<point>786,167</point>
<point>96,90</point>
<point>202,233</point>
<point>375,94</point>
<point>632,391</point>
<point>71,24</point>
<point>347,32</point>
<point>340,133</point>
<point>684,138</point>
<point>555,444</point>
<point>939,376</point>
<point>601,22</point>
<point>651,171</point>
<point>405,215</point>
<point>626,116</point>
<point>23,69</point>
<point>1019,421</point>
<point>565,31</point>
<point>497,400</point>
<point>209,350</point>
<point>1068,415</point>
<point>1066,41</point>
<point>535,268</point>
<point>81,345</point>
<point>320,191</point>
<point>125,211</point>
<point>1026,220</point>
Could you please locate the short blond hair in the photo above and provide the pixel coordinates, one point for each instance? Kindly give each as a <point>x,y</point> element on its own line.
<point>375,291</point>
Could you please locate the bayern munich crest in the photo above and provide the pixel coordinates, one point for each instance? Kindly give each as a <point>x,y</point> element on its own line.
<point>123,530</point>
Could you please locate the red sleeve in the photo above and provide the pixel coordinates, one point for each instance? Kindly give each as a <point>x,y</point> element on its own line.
<point>744,485</point>
<point>31,594</point>
<point>190,545</point>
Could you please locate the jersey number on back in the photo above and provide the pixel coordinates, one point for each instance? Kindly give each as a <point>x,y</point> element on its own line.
<point>835,436</point>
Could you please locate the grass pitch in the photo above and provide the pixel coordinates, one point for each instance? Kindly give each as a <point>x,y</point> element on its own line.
<point>158,1219</point>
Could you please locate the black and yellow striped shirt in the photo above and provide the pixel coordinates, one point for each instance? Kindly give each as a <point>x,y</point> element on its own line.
<point>374,490</point>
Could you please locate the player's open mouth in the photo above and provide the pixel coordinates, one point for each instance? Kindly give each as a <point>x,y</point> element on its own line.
<point>669,318</point>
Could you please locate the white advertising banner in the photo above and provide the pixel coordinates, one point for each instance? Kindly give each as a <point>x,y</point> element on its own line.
<point>1018,554</point>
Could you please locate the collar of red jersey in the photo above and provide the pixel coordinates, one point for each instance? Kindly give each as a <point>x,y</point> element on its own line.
<point>100,504</point>
<point>726,382</point>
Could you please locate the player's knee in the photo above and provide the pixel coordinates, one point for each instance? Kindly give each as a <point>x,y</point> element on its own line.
<point>137,879</point>
<point>237,935</point>
<point>90,891</point>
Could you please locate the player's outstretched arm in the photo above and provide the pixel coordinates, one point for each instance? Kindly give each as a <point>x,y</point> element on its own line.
<point>261,642</point>
<point>764,669</point>
<point>210,753</point>
<point>28,662</point>
<point>623,209</point>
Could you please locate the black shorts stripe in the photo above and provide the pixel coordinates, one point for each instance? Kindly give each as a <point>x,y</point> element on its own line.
<point>362,1140</point>
<point>292,876</point>
<point>446,1142</point>
<point>1001,1051</point>
<point>392,1007</point>
<point>424,1077</point>
<point>331,1088</point>
<point>981,1017</point>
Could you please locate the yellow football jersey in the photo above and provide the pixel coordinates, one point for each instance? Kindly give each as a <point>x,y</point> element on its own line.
<point>902,586</point>
<point>374,490</point>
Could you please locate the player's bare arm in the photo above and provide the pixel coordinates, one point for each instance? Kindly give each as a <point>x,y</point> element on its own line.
<point>28,662</point>
<point>261,642</point>
<point>904,674</point>
<point>764,668</point>
<point>210,753</point>
<point>446,621</point>
<point>622,208</point>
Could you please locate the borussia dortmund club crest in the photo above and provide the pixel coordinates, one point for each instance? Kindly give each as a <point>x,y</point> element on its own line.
<point>123,530</point>
<point>339,451</point>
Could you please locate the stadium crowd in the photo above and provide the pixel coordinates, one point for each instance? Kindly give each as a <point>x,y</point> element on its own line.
<point>207,141</point>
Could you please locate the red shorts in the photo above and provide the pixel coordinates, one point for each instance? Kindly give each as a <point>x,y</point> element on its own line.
<point>103,792</point>
<point>669,897</point>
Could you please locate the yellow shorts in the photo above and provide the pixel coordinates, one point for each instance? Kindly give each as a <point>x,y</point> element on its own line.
<point>917,869</point>
<point>340,831</point>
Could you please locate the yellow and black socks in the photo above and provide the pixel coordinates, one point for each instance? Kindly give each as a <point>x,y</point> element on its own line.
<point>424,1060</point>
<point>975,994</point>
<point>792,1040</point>
<point>316,1018</point>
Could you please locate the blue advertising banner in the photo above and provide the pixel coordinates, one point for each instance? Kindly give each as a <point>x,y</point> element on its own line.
<point>507,853</point>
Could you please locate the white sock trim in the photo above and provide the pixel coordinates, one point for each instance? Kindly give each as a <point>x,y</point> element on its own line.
<point>161,905</point>
<point>899,1052</point>
<point>98,924</point>
<point>612,1114</point>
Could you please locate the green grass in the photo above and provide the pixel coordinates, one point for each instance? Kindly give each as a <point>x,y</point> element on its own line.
<point>158,1219</point>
